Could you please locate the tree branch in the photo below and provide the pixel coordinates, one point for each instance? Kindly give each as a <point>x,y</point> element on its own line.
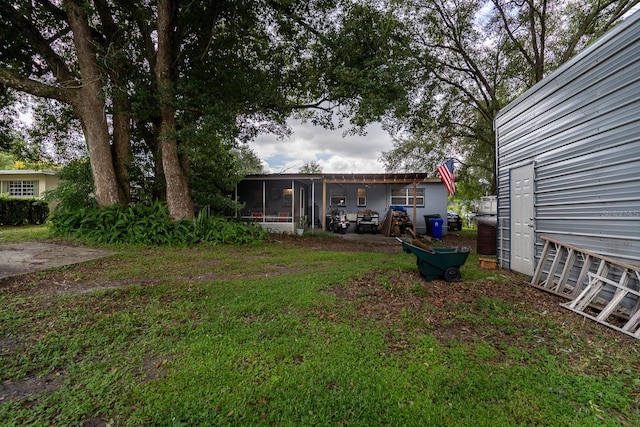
<point>36,88</point>
<point>511,34</point>
<point>43,47</point>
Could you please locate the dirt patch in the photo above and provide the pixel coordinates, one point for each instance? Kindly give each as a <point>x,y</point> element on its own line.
<point>354,242</point>
<point>475,313</point>
<point>29,257</point>
<point>20,390</point>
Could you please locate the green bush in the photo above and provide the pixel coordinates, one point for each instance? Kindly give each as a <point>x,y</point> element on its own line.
<point>149,224</point>
<point>23,211</point>
<point>75,190</point>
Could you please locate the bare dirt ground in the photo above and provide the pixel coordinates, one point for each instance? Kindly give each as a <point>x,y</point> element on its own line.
<point>29,257</point>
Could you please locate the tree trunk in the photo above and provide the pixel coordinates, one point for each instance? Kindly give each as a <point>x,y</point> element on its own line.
<point>178,192</point>
<point>90,109</point>
<point>119,76</point>
<point>121,149</point>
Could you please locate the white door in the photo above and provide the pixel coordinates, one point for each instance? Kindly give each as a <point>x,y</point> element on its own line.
<point>522,237</point>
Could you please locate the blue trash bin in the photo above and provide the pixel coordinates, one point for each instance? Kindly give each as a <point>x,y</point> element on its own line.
<point>436,227</point>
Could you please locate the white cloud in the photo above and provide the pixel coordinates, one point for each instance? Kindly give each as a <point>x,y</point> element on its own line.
<point>333,151</point>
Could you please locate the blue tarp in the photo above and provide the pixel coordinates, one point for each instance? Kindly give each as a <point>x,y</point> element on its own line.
<point>399,209</point>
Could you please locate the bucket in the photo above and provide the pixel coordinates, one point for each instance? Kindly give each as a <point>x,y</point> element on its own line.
<point>487,235</point>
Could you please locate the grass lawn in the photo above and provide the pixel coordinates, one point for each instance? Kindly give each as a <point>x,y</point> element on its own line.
<point>297,335</point>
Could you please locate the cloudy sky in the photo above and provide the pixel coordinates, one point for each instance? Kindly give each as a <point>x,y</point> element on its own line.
<point>334,153</point>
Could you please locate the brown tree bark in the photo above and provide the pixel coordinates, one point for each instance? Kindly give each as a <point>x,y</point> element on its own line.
<point>178,191</point>
<point>117,70</point>
<point>90,109</point>
<point>121,148</point>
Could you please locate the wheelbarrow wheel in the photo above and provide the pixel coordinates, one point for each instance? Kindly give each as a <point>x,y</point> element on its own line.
<point>452,274</point>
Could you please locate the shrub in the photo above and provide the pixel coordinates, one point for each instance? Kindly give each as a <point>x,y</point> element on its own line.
<point>75,190</point>
<point>23,211</point>
<point>149,224</point>
<point>216,229</point>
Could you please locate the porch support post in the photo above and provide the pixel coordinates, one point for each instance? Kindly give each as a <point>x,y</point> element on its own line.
<point>235,200</point>
<point>324,204</point>
<point>293,205</point>
<point>264,199</point>
<point>415,185</point>
<point>313,204</point>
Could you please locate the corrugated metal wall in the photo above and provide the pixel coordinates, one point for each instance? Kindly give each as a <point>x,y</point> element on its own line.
<point>581,128</point>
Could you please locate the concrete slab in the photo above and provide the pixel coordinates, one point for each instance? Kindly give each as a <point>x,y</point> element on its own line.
<point>29,257</point>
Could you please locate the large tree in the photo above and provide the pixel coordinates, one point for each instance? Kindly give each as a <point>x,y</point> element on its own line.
<point>486,54</point>
<point>159,87</point>
<point>48,51</point>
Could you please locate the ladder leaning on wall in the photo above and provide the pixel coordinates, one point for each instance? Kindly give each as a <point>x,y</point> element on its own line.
<point>600,288</point>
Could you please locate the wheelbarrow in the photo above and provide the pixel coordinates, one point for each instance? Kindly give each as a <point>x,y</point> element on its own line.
<point>438,262</point>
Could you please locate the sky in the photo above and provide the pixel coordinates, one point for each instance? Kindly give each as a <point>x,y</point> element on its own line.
<point>334,152</point>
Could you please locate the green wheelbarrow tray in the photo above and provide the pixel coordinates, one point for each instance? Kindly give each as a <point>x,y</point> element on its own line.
<point>438,262</point>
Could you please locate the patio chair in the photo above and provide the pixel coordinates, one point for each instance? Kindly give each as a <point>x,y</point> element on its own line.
<point>283,217</point>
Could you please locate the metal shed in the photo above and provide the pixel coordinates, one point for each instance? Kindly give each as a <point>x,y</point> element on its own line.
<point>568,180</point>
<point>568,156</point>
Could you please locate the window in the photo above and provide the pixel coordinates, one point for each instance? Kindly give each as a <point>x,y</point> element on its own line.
<point>338,197</point>
<point>362,197</point>
<point>404,197</point>
<point>23,188</point>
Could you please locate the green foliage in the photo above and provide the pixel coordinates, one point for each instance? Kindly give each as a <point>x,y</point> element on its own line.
<point>311,168</point>
<point>150,225</point>
<point>247,161</point>
<point>6,161</point>
<point>238,69</point>
<point>18,158</point>
<point>75,189</point>
<point>213,168</point>
<point>476,58</point>
<point>23,211</point>
<point>370,65</point>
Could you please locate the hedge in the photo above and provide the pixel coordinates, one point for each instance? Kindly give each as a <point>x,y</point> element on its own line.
<point>23,211</point>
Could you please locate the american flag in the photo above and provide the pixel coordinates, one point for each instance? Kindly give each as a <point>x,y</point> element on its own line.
<point>446,175</point>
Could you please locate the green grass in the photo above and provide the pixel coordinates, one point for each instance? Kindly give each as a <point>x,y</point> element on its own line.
<point>23,233</point>
<point>235,335</point>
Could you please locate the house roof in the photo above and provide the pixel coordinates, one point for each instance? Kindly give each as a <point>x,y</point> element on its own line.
<point>27,172</point>
<point>353,178</point>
